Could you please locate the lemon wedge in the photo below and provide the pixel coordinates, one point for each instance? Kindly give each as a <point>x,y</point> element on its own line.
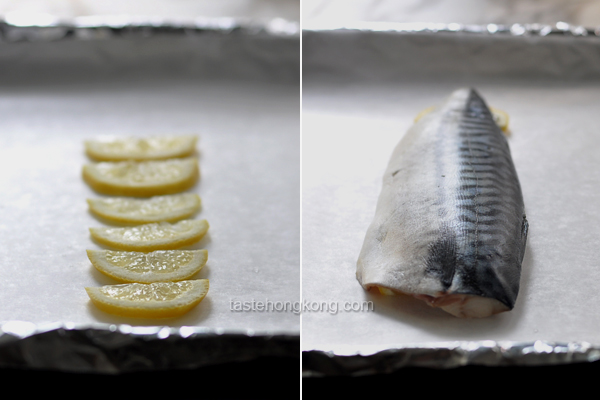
<point>149,300</point>
<point>156,266</point>
<point>167,208</point>
<point>140,149</point>
<point>153,236</point>
<point>500,117</point>
<point>142,179</point>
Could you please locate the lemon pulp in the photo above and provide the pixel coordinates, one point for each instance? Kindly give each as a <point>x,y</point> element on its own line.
<point>140,149</point>
<point>154,209</point>
<point>152,300</point>
<point>156,266</point>
<point>153,236</point>
<point>142,179</point>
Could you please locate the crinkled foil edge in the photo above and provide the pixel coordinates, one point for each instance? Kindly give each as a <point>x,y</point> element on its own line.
<point>106,27</point>
<point>317,363</point>
<point>113,349</point>
<point>88,28</point>
<point>560,28</point>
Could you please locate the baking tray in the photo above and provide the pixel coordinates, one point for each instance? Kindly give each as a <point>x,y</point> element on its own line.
<point>236,86</point>
<point>363,85</point>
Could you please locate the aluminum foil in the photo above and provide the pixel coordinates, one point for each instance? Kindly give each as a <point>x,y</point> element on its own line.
<point>387,52</point>
<point>112,348</point>
<point>448,355</point>
<point>234,83</point>
<point>91,27</point>
<point>92,46</point>
<point>560,28</point>
<point>369,81</point>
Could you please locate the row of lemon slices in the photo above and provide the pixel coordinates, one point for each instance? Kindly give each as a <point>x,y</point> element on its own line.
<point>156,275</point>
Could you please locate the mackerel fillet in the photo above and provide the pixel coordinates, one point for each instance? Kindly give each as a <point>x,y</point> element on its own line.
<point>450,226</point>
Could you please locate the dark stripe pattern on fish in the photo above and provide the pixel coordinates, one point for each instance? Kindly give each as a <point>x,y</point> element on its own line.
<point>450,225</point>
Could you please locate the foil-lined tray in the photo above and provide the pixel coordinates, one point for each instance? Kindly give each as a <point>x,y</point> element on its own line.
<point>363,85</point>
<point>233,83</point>
<point>103,27</point>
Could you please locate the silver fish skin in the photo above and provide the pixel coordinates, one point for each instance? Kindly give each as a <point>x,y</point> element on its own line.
<point>450,226</point>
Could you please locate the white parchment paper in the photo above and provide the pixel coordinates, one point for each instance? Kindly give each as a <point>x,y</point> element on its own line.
<point>248,152</point>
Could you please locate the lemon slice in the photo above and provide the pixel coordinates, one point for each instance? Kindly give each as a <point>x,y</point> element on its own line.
<point>157,266</point>
<point>385,291</point>
<point>139,211</point>
<point>153,236</point>
<point>149,300</point>
<point>144,178</point>
<point>500,117</point>
<point>140,149</point>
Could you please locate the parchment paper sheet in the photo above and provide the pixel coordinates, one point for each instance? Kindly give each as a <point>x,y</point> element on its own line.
<point>354,114</point>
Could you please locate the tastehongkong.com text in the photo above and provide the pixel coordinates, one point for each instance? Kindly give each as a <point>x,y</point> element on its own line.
<point>297,307</point>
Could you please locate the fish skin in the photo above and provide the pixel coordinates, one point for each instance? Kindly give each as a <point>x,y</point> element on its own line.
<point>450,225</point>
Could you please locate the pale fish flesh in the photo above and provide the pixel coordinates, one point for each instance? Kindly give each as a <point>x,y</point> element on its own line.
<point>450,226</point>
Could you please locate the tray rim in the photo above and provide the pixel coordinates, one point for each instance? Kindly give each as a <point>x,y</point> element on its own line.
<point>448,355</point>
<point>103,348</point>
<point>106,27</point>
<point>516,29</point>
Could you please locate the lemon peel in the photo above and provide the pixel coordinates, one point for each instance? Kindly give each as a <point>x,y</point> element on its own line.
<point>153,236</point>
<point>140,149</point>
<point>156,266</point>
<point>149,300</point>
<point>143,178</point>
<point>423,112</point>
<point>166,208</point>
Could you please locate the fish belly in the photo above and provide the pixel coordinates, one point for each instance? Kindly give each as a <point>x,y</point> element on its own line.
<point>450,226</point>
